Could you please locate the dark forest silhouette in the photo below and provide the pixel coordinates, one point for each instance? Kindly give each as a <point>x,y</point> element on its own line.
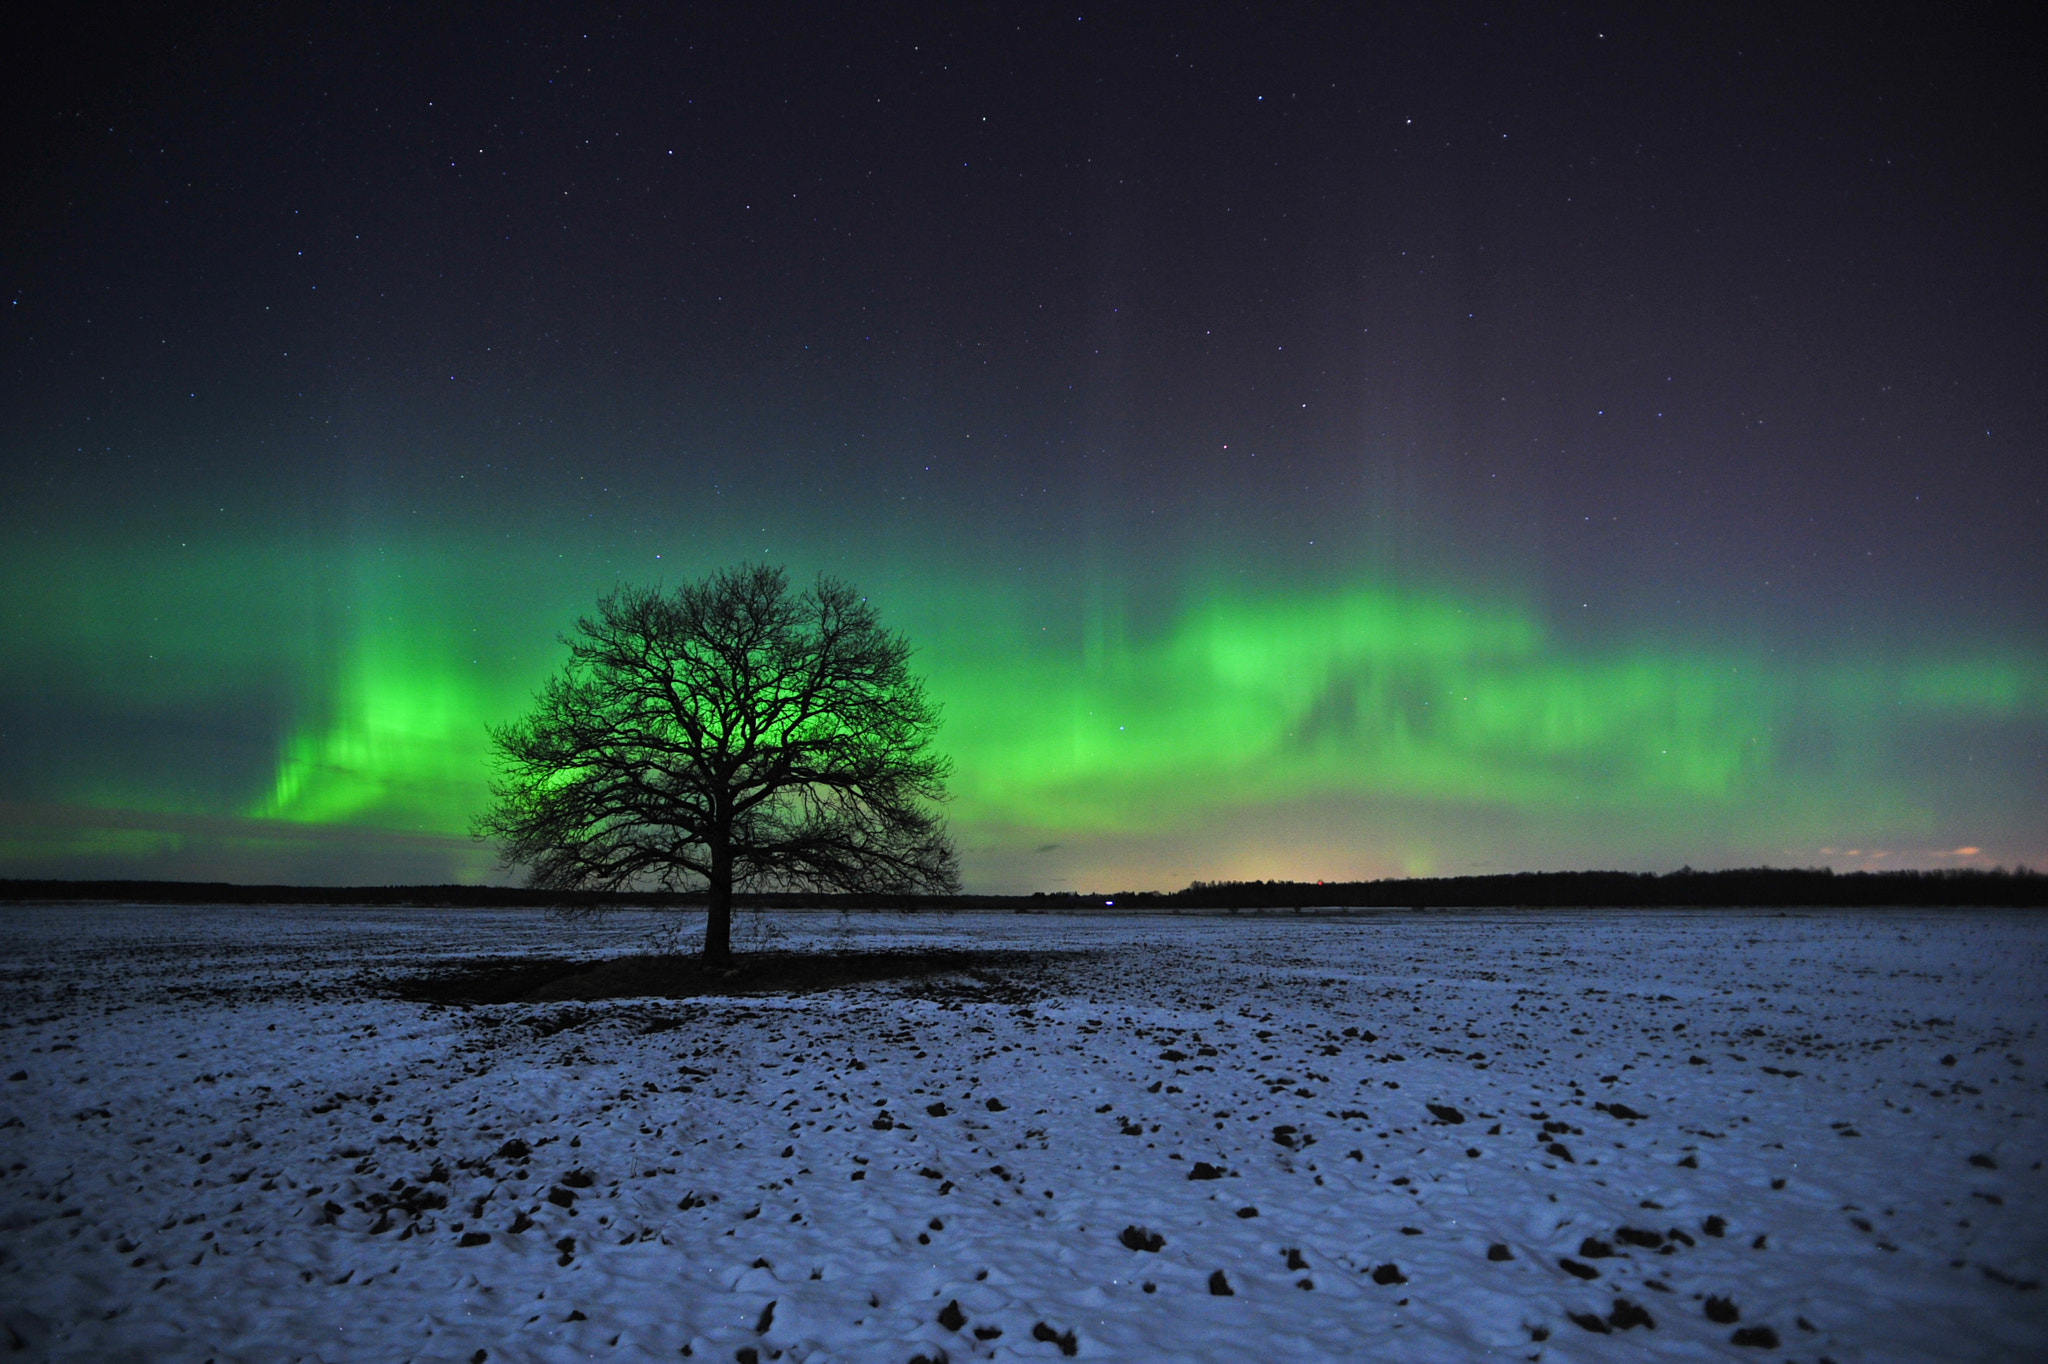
<point>1756,887</point>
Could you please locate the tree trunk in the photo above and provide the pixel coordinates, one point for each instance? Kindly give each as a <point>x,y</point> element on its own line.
<point>718,908</point>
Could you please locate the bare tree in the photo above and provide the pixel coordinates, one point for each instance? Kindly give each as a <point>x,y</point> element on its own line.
<point>727,734</point>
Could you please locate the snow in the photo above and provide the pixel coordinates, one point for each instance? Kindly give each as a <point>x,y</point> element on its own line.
<point>223,1138</point>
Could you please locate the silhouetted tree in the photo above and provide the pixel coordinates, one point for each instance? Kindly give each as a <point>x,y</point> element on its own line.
<point>728,733</point>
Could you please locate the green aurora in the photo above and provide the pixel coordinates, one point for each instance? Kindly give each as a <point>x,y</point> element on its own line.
<point>1353,728</point>
<point>1328,442</point>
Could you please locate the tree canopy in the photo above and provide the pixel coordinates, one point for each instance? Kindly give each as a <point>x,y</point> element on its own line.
<point>728,733</point>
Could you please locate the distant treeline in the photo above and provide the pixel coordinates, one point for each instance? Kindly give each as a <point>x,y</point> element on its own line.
<point>456,897</point>
<point>1766,887</point>
<point>1750,887</point>
<point>229,893</point>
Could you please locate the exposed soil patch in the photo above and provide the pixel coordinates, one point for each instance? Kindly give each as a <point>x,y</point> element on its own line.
<point>1007,977</point>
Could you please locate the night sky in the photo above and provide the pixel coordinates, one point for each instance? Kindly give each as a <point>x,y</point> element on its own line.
<point>1297,444</point>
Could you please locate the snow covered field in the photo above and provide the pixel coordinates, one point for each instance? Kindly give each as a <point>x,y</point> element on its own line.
<point>1555,1136</point>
